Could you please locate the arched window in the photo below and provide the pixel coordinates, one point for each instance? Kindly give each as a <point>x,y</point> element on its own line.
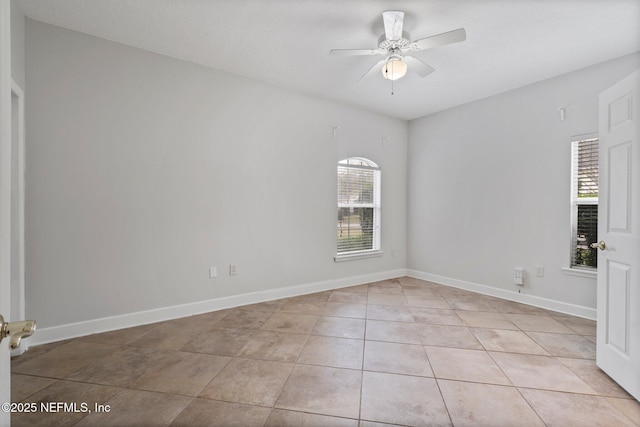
<point>358,207</point>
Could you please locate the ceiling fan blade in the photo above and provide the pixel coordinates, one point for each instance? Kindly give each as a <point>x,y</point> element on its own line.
<point>454,36</point>
<point>393,22</point>
<point>418,67</point>
<point>373,69</point>
<point>351,52</point>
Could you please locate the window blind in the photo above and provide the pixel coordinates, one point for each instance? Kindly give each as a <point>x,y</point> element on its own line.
<point>587,168</point>
<point>584,201</point>
<point>358,206</point>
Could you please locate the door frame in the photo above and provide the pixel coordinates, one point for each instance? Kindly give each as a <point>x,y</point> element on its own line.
<point>18,307</point>
<point>5,198</point>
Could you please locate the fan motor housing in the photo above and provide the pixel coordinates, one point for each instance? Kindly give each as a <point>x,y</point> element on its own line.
<point>402,43</point>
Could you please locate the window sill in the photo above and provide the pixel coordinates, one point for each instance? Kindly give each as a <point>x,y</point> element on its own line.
<point>581,272</point>
<point>357,255</point>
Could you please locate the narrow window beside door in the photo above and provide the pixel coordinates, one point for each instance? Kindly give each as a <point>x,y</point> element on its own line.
<point>584,202</point>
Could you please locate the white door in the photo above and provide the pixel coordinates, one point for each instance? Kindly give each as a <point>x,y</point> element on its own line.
<point>5,199</point>
<point>618,342</point>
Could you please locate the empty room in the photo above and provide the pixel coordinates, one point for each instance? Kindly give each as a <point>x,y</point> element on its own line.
<point>319,213</point>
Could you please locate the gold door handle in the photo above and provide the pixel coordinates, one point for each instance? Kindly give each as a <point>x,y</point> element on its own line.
<point>600,245</point>
<point>16,331</point>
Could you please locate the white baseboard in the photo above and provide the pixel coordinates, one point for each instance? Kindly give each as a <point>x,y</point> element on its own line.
<point>549,304</point>
<point>105,324</point>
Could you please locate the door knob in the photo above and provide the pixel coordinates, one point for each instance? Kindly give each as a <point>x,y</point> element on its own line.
<point>600,245</point>
<point>16,331</point>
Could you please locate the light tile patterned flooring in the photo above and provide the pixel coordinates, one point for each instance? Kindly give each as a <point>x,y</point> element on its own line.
<point>397,352</point>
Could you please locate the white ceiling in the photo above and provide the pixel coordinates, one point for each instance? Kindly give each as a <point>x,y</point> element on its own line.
<point>510,43</point>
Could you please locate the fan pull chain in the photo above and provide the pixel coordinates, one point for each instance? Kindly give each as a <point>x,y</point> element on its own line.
<point>392,75</point>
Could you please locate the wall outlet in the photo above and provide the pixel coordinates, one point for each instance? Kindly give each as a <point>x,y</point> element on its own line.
<point>232,270</point>
<point>518,276</point>
<point>213,272</point>
<point>540,270</point>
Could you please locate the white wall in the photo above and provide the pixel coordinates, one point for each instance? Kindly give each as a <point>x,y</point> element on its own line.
<point>143,171</point>
<point>489,185</point>
<point>17,43</point>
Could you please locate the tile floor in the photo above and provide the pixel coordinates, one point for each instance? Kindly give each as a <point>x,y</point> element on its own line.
<point>397,352</point>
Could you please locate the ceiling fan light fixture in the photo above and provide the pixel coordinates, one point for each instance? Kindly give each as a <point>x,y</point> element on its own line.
<point>395,45</point>
<point>394,69</point>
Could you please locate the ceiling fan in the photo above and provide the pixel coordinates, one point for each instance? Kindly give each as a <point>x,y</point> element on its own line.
<point>394,44</point>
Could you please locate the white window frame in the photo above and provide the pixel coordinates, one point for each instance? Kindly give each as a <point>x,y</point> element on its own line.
<point>366,164</point>
<point>579,270</point>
